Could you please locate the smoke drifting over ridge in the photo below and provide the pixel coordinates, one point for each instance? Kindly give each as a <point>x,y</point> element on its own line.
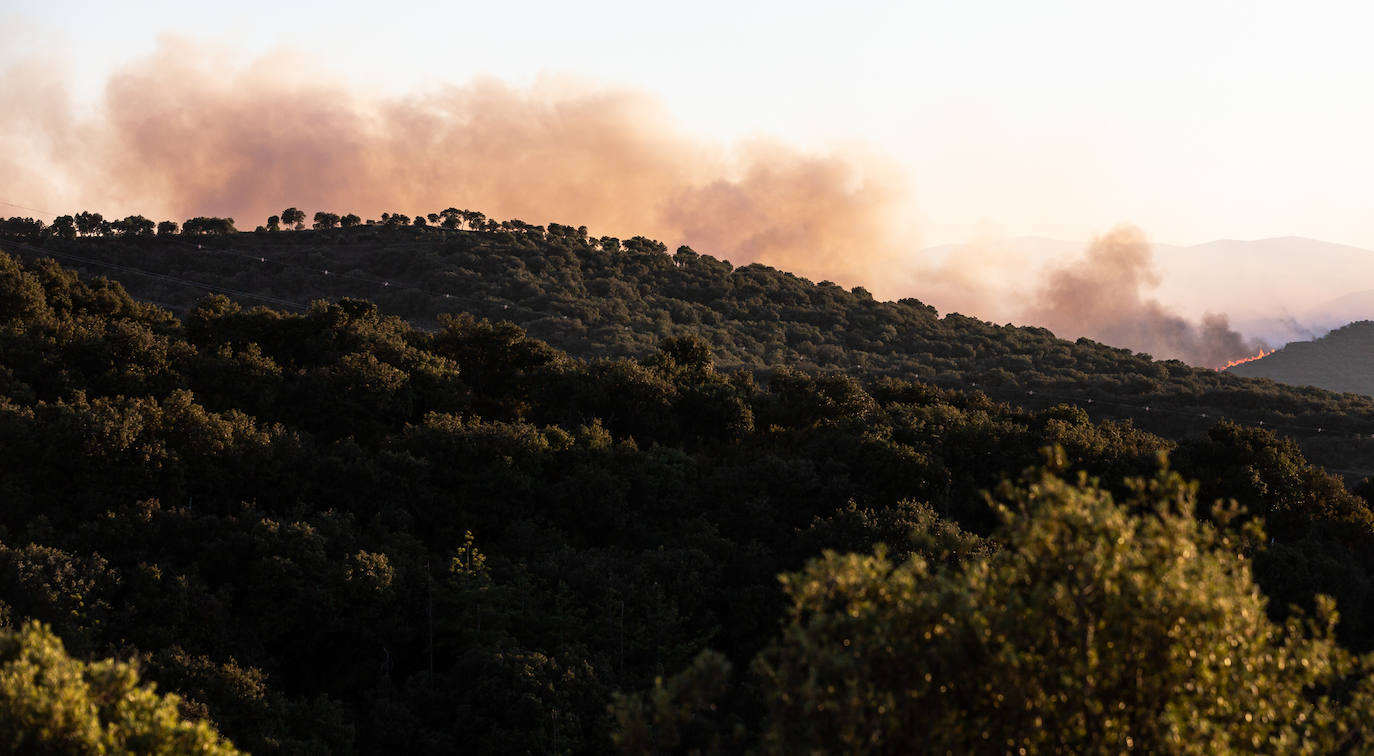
<point>181,134</point>
<point>1101,297</point>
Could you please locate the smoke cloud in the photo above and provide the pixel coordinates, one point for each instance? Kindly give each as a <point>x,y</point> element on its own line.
<point>983,278</point>
<point>183,133</point>
<point>1102,297</point>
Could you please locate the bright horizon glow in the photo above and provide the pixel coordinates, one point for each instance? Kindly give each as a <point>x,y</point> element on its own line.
<point>1062,119</point>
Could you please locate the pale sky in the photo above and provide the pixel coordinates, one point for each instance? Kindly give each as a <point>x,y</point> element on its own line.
<point>1195,121</point>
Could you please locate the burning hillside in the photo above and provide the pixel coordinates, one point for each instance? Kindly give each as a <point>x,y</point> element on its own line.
<point>1261,355</point>
<point>1342,360</point>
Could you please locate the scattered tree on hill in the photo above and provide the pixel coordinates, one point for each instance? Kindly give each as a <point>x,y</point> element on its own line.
<point>293,218</point>
<point>350,220</point>
<point>90,224</point>
<point>64,227</point>
<point>134,225</point>
<point>167,228</point>
<point>273,223</point>
<point>31,228</point>
<point>325,221</point>
<point>203,226</point>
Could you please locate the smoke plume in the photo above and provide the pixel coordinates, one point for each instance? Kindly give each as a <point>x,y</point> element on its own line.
<point>185,133</point>
<point>182,133</point>
<point>983,278</point>
<point>1101,297</point>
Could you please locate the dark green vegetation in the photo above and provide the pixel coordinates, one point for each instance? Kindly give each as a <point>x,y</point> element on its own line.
<point>52,703</point>
<point>604,297</point>
<point>332,531</point>
<point>1099,628</point>
<point>1342,360</point>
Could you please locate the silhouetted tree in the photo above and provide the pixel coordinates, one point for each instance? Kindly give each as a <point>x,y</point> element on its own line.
<point>28,228</point>
<point>204,226</point>
<point>293,218</point>
<point>134,225</point>
<point>89,224</point>
<point>64,227</point>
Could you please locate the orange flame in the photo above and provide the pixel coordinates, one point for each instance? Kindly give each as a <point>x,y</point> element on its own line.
<point>1244,360</point>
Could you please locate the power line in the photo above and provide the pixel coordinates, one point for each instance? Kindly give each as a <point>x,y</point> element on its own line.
<point>212,288</point>
<point>1208,417</point>
<point>1148,408</point>
<point>25,207</point>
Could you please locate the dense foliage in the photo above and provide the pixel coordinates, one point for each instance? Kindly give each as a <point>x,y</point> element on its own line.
<point>332,531</point>
<point>606,297</point>
<point>1099,628</point>
<point>52,703</point>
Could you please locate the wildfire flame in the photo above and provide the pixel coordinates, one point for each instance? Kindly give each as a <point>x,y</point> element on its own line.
<point>1244,360</point>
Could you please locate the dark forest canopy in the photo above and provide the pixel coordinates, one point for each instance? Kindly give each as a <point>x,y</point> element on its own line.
<point>599,297</point>
<point>330,530</point>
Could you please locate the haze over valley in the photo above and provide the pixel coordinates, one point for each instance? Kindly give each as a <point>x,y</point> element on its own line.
<point>1267,296</point>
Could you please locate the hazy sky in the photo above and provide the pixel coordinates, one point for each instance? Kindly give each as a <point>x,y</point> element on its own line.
<point>1193,120</point>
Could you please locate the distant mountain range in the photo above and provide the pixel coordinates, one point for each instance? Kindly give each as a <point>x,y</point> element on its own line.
<point>1342,360</point>
<point>1282,289</point>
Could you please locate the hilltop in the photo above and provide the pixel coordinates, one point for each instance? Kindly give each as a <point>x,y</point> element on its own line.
<point>604,297</point>
<point>1342,360</point>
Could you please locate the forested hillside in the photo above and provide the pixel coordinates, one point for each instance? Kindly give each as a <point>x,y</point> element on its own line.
<point>331,531</point>
<point>603,297</point>
<point>1342,360</point>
